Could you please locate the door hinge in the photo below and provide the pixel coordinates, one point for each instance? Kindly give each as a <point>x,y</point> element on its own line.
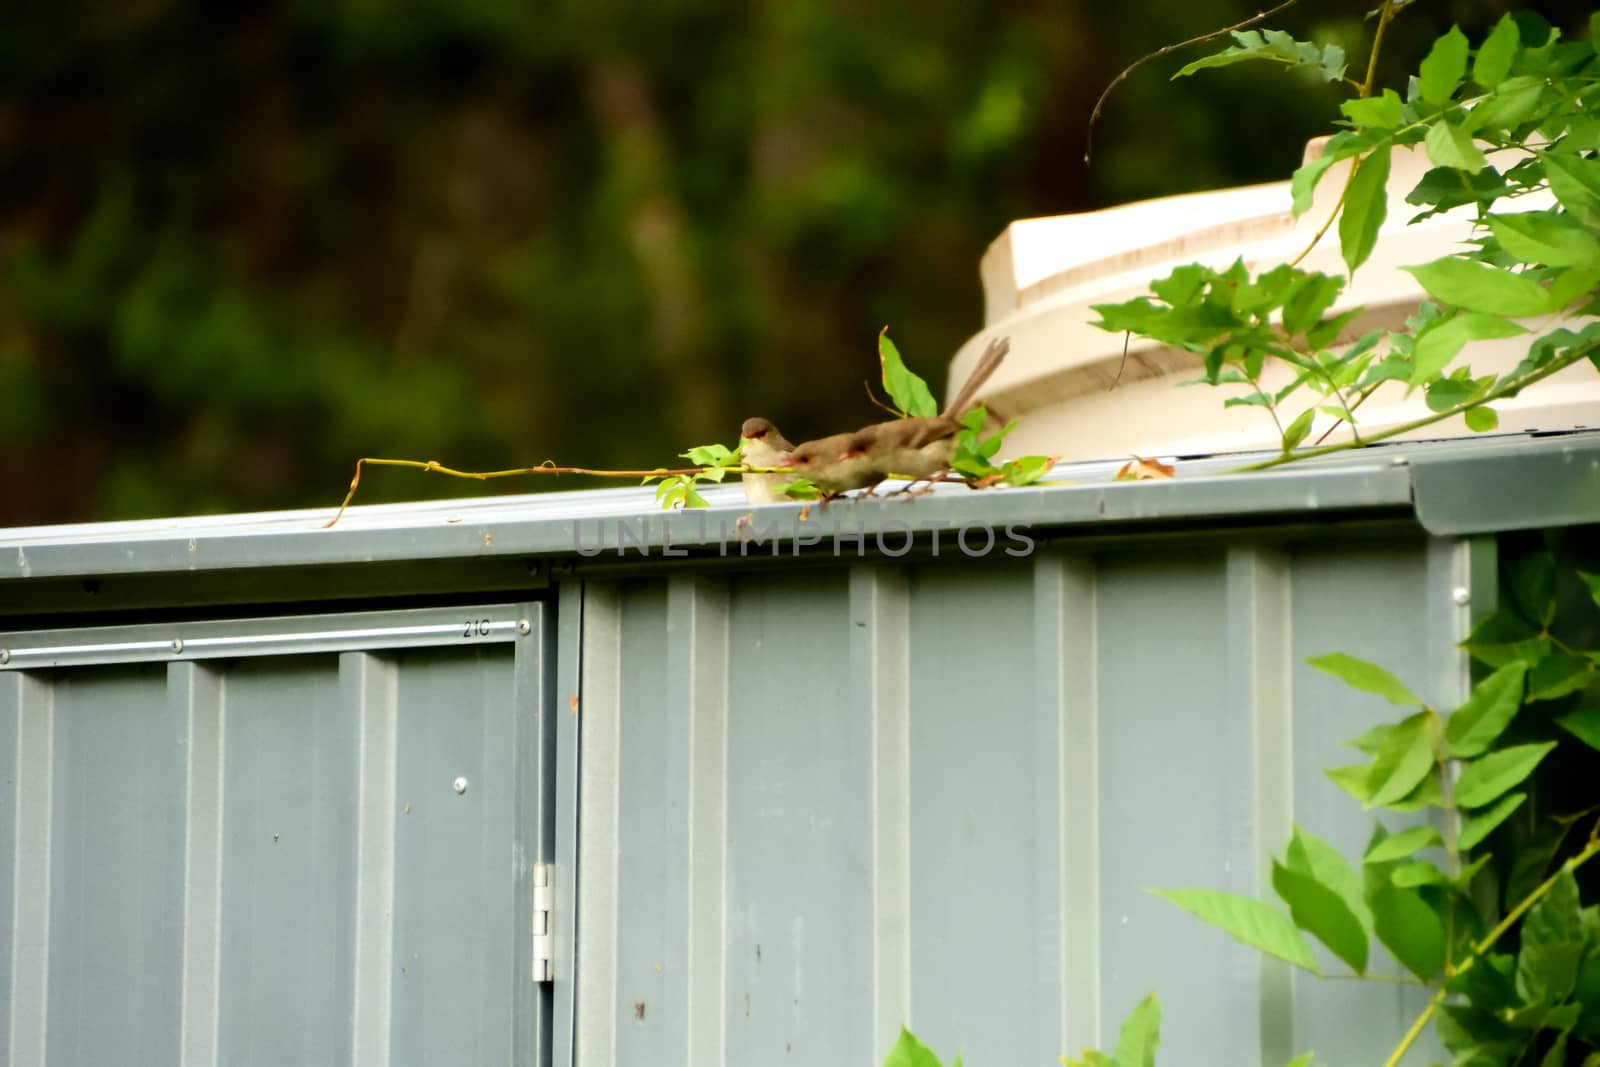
<point>543,898</point>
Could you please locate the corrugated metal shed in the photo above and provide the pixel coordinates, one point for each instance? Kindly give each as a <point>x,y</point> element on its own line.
<point>283,794</point>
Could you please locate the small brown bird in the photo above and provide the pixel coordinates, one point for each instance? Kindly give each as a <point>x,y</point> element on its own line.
<point>833,465</point>
<point>763,446</point>
<point>913,448</point>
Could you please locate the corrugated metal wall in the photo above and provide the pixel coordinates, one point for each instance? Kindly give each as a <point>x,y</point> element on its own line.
<point>817,802</point>
<point>302,840</point>
<point>788,804</point>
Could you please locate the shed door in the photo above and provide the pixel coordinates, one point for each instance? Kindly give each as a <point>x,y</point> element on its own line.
<point>299,840</point>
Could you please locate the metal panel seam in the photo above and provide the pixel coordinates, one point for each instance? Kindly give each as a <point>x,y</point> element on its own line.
<point>698,641</point>
<point>879,602</point>
<point>199,692</point>
<point>599,809</point>
<point>1066,591</point>
<point>369,692</point>
<point>1258,612</point>
<point>30,924</point>
<point>564,884</point>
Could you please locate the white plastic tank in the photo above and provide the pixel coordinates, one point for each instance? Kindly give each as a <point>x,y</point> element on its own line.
<point>1041,276</point>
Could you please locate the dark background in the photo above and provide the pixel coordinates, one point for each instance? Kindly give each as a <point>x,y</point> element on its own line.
<point>241,245</point>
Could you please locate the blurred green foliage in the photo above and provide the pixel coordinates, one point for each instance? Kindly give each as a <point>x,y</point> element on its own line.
<point>241,245</point>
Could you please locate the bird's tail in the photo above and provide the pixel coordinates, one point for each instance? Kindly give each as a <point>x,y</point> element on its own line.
<point>987,364</point>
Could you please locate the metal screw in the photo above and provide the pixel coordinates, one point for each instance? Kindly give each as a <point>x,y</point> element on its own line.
<point>522,626</point>
<point>459,785</point>
<point>5,655</point>
<point>1461,596</point>
<point>177,644</point>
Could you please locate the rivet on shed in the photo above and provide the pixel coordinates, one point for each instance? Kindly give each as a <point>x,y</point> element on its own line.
<point>523,626</point>
<point>177,644</point>
<point>459,785</point>
<point>5,655</point>
<point>1461,596</point>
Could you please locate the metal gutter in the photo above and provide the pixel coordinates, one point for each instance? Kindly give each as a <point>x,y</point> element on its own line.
<point>1451,488</point>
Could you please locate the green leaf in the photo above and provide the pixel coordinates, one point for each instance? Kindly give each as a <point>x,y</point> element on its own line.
<point>909,392</point>
<point>1373,740</point>
<point>1487,711</point>
<point>1025,470</point>
<point>1493,61</point>
<point>1571,284</point>
<point>1481,419</point>
<point>1353,780</point>
<point>1479,826</point>
<point>1303,184</point>
<point>910,1052</point>
<point>1404,761</point>
<point>1306,305</point>
<point>1310,855</point>
<point>1546,237</point>
<point>1557,1056</point>
<point>1559,674</point>
<point>1465,877</point>
<point>1488,984</point>
<point>1505,638</point>
<point>1366,203</point>
<point>712,455</point>
<point>1512,103</point>
<point>800,489</point>
<point>1322,913</point>
<point>1480,287</point>
<point>1090,1058</point>
<point>1140,1035</point>
<point>1400,845</point>
<point>1247,921</point>
<point>1442,339</point>
<point>1276,46</point>
<point>1418,872</point>
<point>1587,993</point>
<point>1592,580</point>
<point>1552,943</point>
<point>1385,112</point>
<point>1425,795</point>
<point>1444,67</point>
<point>1297,430</point>
<point>1490,776</point>
<point>1530,863</point>
<point>1409,929</point>
<point>1449,145</point>
<point>1447,394</point>
<point>1575,181</point>
<point>1584,724</point>
<point>1444,188</point>
<point>1368,677</point>
<point>1302,1060</point>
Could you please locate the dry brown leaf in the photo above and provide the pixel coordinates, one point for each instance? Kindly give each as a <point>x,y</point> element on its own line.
<point>1140,469</point>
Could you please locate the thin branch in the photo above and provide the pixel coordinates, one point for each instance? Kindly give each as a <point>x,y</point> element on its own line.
<point>1351,410</point>
<point>1500,391</point>
<point>1385,16</point>
<point>1127,336</point>
<point>1094,116</point>
<point>1489,940</point>
<point>896,412</point>
<point>1392,979</point>
<point>436,467</point>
